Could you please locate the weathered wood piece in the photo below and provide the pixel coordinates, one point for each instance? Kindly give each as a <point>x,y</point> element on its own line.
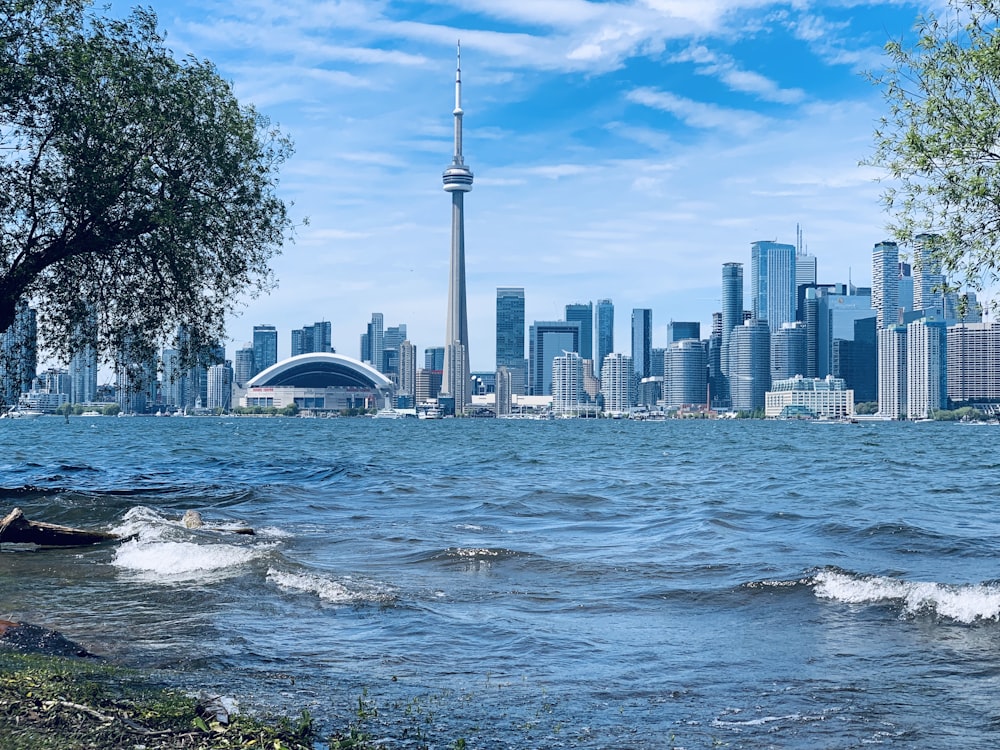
<point>16,529</point>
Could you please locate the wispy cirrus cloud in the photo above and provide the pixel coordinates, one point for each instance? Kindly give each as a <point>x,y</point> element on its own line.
<point>700,115</point>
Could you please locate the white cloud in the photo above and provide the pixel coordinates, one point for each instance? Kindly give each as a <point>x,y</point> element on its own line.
<point>698,114</point>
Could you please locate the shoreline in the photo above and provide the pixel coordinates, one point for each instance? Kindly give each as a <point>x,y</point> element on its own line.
<point>56,695</point>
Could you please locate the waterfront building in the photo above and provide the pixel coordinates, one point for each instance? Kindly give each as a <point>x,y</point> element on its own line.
<point>617,378</point>
<point>389,360</point>
<point>428,385</point>
<point>265,347</point>
<point>685,374</point>
<point>605,313</point>
<point>926,368</point>
<point>171,394</point>
<point>584,313</point>
<point>892,371</point>
<point>510,336</point>
<point>856,361</point>
<point>135,378</point>
<point>321,382</point>
<point>18,354</point>
<point>772,283</point>
<point>434,358</point>
<point>372,341</point>
<point>567,384</point>
<point>83,375</point>
<point>974,363</point>
<point>788,351</point>
<point>885,283</point>
<point>407,389</point>
<point>678,330</point>
<point>546,341</point>
<point>827,398</point>
<point>457,179</point>
<point>749,365</point>
<point>642,342</point>
<point>732,308</point>
<point>847,305</point>
<point>504,395</point>
<point>220,387</point>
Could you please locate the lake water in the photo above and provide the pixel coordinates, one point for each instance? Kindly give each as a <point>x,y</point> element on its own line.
<point>520,584</point>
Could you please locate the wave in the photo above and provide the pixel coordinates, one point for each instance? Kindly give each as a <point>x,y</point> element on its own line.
<point>963,603</point>
<point>344,591</point>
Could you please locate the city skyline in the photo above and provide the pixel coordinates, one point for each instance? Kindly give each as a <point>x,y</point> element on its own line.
<point>621,152</point>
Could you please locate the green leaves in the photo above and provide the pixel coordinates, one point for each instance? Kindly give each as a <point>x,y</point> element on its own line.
<point>134,187</point>
<point>939,144</point>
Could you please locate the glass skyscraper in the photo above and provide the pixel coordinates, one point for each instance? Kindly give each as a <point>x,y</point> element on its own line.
<point>732,308</point>
<point>265,347</point>
<point>772,283</point>
<point>642,341</point>
<point>510,336</point>
<point>584,313</point>
<point>605,314</point>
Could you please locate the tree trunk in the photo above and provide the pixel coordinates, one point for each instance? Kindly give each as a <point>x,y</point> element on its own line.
<point>16,529</point>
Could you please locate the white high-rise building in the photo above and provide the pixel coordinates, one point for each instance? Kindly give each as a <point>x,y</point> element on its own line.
<point>220,387</point>
<point>407,370</point>
<point>885,283</point>
<point>567,384</point>
<point>617,383</point>
<point>974,362</point>
<point>926,368</point>
<point>892,372</point>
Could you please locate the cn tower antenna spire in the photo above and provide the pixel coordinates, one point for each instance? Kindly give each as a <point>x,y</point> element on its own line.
<point>458,103</point>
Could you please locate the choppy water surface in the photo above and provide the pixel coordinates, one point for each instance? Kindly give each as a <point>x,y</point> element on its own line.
<point>536,584</point>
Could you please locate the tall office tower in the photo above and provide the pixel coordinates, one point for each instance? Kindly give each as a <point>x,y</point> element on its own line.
<point>461,389</point>
<point>567,383</point>
<point>243,365</point>
<point>772,282</point>
<point>265,347</point>
<point>926,368</point>
<point>974,363</point>
<point>510,336</point>
<point>892,371</point>
<point>408,371</point>
<point>642,341</point>
<point>83,375</point>
<point>928,281</point>
<point>457,181</point>
<point>605,333</point>
<point>617,379</point>
<point>805,275</point>
<point>749,365</point>
<point>220,387</point>
<point>788,351</point>
<point>314,338</point>
<point>732,307</point>
<point>428,385</point>
<point>18,354</point>
<point>885,283</point>
<point>905,288</point>
<point>301,341</point>
<point>680,330</point>
<point>170,386</point>
<point>546,341</point>
<point>389,357</point>
<point>135,377</point>
<point>584,313</point>
<point>372,341</point>
<point>503,394</point>
<point>685,373</point>
<point>434,358</point>
<point>856,361</point>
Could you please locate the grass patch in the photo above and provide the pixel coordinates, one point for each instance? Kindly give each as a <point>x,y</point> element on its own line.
<point>53,703</point>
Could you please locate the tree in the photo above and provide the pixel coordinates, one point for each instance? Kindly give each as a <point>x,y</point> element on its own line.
<point>940,141</point>
<point>137,194</point>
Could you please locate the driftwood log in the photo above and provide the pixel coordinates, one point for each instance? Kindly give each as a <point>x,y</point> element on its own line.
<point>16,529</point>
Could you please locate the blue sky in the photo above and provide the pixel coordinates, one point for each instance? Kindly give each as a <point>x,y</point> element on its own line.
<point>621,150</point>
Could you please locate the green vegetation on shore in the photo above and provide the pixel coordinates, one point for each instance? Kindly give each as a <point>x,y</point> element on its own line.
<point>53,703</point>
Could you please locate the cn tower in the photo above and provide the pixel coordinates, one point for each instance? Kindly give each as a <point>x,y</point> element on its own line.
<point>457,181</point>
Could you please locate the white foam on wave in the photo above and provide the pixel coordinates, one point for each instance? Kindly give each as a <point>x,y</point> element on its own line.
<point>169,562</point>
<point>963,603</point>
<point>328,589</point>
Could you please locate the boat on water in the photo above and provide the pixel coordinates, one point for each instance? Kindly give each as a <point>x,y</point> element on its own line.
<point>17,413</point>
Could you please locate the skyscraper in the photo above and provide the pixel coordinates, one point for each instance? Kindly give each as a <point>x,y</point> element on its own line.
<point>617,379</point>
<point>892,371</point>
<point>928,281</point>
<point>546,341</point>
<point>408,372</point>
<point>749,365</point>
<point>457,181</point>
<point>772,282</point>
<point>885,283</point>
<point>265,347</point>
<point>510,336</point>
<point>974,362</point>
<point>605,332</point>
<point>788,351</point>
<point>642,341</point>
<point>926,368</point>
<point>685,371</point>
<point>732,308</point>
<point>584,313</point>
<point>567,383</point>
<point>678,330</point>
